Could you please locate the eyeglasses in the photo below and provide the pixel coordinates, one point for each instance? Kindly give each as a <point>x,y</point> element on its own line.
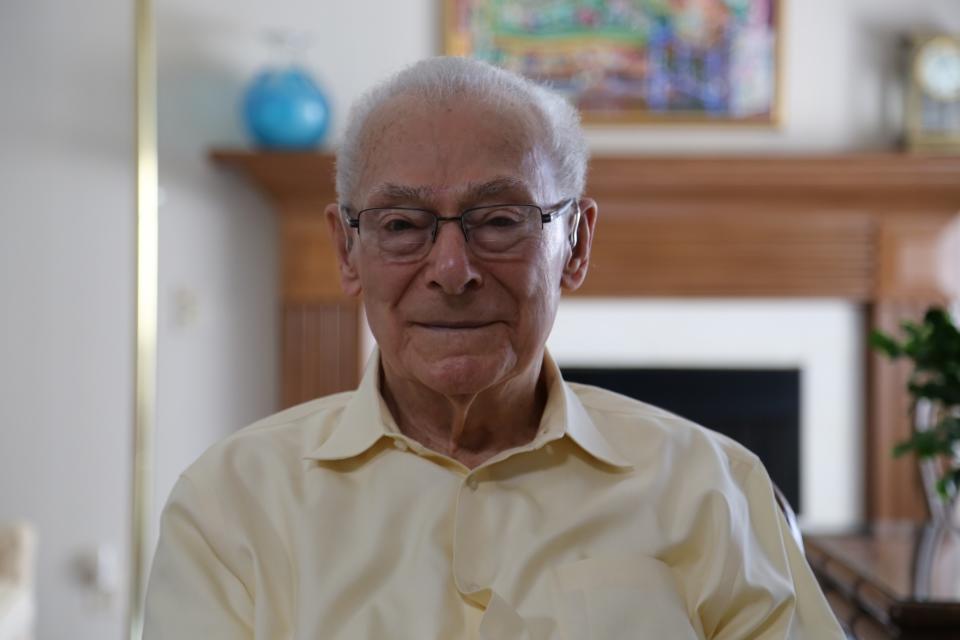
<point>403,234</point>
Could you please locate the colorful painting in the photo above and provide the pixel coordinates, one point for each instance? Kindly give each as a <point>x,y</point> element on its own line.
<point>679,60</point>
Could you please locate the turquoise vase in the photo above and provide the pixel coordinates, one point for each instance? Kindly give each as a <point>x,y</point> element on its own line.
<point>285,109</point>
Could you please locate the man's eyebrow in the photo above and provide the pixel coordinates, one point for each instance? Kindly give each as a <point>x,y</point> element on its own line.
<point>474,191</point>
<point>495,187</point>
<point>390,191</point>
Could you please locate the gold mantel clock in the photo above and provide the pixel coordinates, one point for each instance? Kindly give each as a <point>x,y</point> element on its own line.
<point>933,94</point>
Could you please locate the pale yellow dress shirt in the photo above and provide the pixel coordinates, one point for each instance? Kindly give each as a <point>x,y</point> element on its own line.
<point>619,520</point>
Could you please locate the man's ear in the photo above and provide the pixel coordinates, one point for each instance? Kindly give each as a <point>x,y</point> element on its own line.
<point>575,269</point>
<point>344,245</point>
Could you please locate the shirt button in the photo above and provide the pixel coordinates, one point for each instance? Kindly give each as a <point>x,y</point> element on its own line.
<point>472,483</point>
<point>400,444</point>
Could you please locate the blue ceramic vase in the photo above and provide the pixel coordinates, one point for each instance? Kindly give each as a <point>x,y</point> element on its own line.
<point>285,109</point>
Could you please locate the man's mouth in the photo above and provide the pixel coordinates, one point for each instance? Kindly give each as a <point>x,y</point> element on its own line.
<point>448,325</point>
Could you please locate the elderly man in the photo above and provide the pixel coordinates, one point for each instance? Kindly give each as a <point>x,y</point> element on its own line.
<point>464,490</point>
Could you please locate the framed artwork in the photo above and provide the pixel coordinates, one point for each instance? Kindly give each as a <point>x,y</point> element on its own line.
<point>711,61</point>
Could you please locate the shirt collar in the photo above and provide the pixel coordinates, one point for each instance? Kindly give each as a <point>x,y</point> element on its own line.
<point>565,410</point>
<point>363,421</point>
<point>366,419</point>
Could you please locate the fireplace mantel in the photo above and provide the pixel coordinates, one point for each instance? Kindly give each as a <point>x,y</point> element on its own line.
<point>866,228</point>
<point>863,227</point>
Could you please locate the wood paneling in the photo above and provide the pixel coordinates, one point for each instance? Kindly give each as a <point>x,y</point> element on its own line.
<point>894,485</point>
<point>320,349</point>
<point>308,265</point>
<point>869,182</point>
<point>702,253</point>
<point>301,179</point>
<point>911,256</point>
<point>867,228</point>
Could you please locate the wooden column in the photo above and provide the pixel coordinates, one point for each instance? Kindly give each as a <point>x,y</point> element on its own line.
<point>320,345</point>
<point>321,327</point>
<point>910,257</point>
<point>320,341</point>
<point>894,485</point>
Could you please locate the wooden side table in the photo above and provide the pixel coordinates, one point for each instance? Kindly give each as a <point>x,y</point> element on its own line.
<point>891,580</point>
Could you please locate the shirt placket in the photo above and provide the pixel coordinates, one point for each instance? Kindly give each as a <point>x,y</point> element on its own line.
<point>466,547</point>
<point>472,568</point>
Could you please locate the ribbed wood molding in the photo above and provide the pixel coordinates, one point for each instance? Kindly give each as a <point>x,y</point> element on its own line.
<point>319,349</point>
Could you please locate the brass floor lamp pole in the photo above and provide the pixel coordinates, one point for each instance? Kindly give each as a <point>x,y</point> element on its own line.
<point>147,189</point>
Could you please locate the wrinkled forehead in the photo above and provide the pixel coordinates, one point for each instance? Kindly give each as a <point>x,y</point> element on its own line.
<point>454,152</point>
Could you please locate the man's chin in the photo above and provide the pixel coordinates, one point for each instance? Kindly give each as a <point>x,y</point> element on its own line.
<point>464,374</point>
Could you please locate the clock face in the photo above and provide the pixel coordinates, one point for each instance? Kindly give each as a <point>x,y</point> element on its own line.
<point>938,69</point>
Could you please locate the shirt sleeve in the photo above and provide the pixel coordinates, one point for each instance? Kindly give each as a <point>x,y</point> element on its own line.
<point>751,579</point>
<point>193,591</point>
<point>808,615</point>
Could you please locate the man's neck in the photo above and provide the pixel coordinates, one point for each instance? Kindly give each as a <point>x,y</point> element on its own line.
<point>469,429</point>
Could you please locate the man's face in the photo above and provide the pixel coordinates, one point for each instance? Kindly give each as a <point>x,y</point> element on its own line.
<point>451,321</point>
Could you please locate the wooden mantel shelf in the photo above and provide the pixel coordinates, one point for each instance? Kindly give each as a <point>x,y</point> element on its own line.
<point>308,176</point>
<point>864,227</point>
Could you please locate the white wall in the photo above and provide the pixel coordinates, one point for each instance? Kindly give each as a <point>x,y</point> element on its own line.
<point>66,226</point>
<point>840,66</point>
<point>66,294</point>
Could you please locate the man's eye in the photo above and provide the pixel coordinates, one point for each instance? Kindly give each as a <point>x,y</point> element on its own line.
<point>400,223</point>
<point>501,222</point>
<point>397,224</point>
<point>499,218</point>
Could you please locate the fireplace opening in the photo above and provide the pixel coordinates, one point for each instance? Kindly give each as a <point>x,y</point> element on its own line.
<point>759,408</point>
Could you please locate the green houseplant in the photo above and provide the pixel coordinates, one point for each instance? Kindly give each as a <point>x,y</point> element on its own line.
<point>933,346</point>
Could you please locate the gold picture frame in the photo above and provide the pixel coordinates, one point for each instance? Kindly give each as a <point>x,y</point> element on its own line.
<point>713,62</point>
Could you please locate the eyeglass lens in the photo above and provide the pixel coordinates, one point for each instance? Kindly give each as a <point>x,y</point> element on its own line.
<point>406,234</point>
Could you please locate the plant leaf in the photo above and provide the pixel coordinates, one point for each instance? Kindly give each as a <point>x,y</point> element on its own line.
<point>886,344</point>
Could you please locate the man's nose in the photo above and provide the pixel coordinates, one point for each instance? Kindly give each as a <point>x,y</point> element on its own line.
<point>451,266</point>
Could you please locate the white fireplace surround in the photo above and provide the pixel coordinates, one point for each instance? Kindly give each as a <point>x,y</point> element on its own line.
<point>821,338</point>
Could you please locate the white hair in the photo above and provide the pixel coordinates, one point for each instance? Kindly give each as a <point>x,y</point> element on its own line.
<point>443,78</point>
